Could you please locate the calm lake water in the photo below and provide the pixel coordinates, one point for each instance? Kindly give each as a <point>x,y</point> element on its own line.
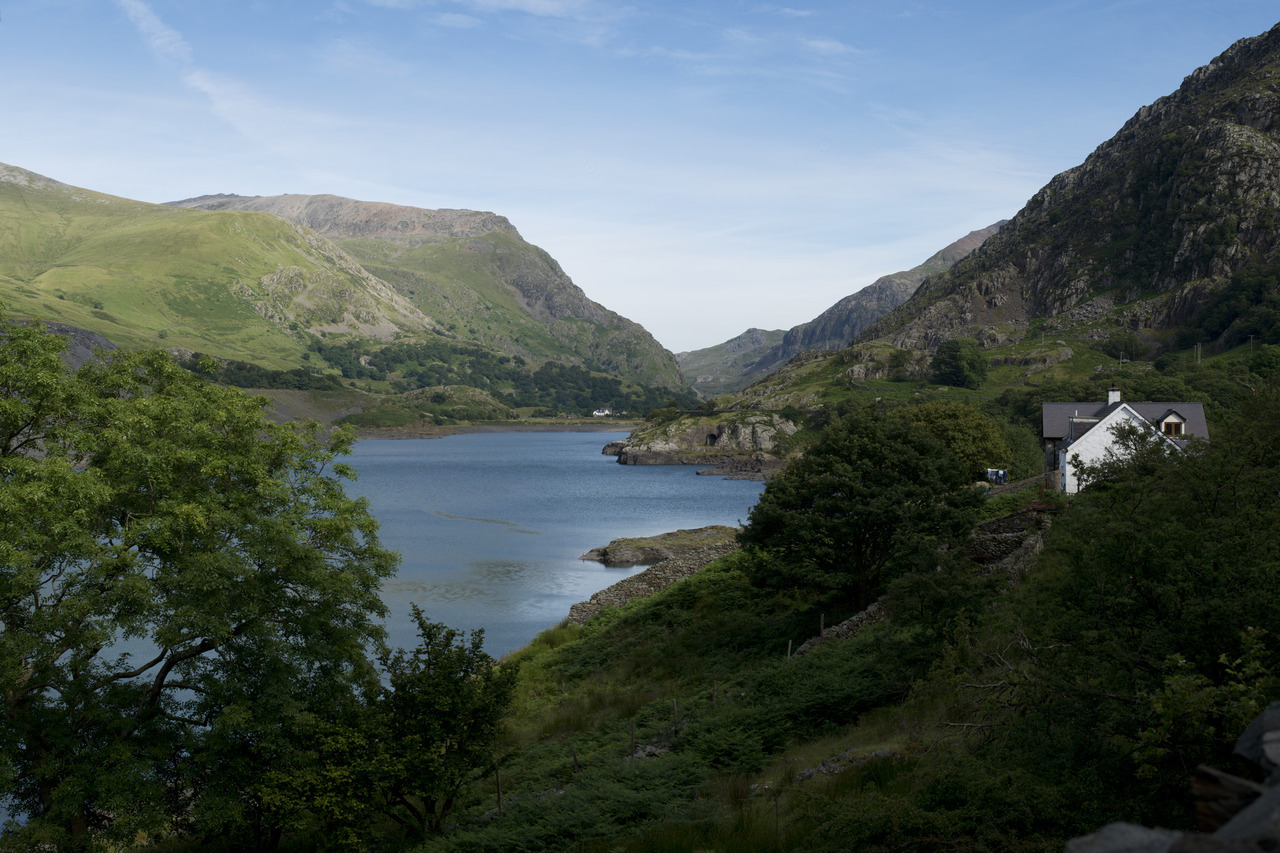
<point>490,525</point>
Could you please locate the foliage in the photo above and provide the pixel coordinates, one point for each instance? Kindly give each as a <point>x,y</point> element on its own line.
<point>973,437</point>
<point>406,752</point>
<point>445,362</point>
<point>1169,557</point>
<point>243,374</point>
<point>438,718</point>
<point>850,514</point>
<point>959,362</point>
<point>170,561</point>
<point>1248,307</point>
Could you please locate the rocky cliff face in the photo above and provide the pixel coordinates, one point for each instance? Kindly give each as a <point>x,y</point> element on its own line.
<point>1183,196</point>
<point>472,272</point>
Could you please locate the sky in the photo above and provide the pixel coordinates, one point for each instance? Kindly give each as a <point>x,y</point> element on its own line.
<point>701,167</point>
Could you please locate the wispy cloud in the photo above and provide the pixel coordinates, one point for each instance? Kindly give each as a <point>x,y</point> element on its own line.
<point>355,55</point>
<point>784,11</point>
<point>165,42</point>
<point>541,8</point>
<point>830,47</point>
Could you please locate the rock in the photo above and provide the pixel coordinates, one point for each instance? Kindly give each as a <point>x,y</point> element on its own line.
<point>648,582</point>
<point>752,436</point>
<point>846,630</point>
<point>613,448</point>
<point>1220,796</point>
<point>1260,742</point>
<point>665,546</point>
<point>1124,838</point>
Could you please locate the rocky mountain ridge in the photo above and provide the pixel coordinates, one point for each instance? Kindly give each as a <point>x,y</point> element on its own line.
<point>1180,199</point>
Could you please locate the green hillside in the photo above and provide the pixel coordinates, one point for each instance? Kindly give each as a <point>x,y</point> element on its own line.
<point>229,285</point>
<point>476,277</point>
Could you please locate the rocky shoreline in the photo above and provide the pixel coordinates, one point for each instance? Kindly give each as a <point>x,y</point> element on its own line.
<point>651,580</point>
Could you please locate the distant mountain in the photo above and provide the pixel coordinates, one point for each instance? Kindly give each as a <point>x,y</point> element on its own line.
<point>1152,229</point>
<point>248,286</point>
<point>473,273</point>
<point>727,367</point>
<point>737,363</point>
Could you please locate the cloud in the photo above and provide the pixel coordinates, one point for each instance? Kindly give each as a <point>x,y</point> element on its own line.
<point>165,42</point>
<point>784,11</point>
<point>830,47</point>
<point>354,55</point>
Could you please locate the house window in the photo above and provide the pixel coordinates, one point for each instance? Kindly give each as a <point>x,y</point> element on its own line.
<point>1173,428</point>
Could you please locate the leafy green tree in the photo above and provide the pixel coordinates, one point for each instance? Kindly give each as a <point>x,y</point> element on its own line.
<point>408,751</point>
<point>852,512</point>
<point>972,436</point>
<point>171,562</point>
<point>441,714</point>
<point>959,362</point>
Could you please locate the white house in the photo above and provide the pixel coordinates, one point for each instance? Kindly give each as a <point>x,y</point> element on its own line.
<point>1078,434</point>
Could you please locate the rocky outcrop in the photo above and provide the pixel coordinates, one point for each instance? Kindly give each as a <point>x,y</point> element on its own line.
<point>758,436</point>
<point>665,546</point>
<point>646,583</point>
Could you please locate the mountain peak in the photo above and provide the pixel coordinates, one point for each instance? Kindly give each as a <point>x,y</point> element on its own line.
<point>336,216</point>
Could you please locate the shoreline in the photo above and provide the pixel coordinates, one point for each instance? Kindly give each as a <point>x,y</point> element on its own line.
<point>394,433</point>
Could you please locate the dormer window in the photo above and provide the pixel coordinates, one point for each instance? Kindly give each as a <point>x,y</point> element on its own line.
<point>1172,428</point>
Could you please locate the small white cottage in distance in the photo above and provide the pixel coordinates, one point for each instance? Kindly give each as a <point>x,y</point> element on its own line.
<point>1086,431</point>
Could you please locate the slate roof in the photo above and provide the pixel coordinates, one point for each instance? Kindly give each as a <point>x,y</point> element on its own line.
<point>1056,417</point>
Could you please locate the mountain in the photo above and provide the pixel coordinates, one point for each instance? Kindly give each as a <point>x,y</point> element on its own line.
<point>475,275</point>
<point>727,367</point>
<point>262,286</point>
<point>1145,234</point>
<point>1166,237</point>
<point>735,364</point>
<point>236,286</point>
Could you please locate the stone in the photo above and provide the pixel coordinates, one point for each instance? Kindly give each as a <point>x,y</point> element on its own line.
<point>1124,838</point>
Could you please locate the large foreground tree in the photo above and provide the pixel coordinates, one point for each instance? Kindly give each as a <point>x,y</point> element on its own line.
<point>174,568</point>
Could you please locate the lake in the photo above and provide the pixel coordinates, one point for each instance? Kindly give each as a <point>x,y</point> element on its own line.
<point>490,526</point>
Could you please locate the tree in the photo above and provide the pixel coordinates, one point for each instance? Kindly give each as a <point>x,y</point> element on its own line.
<point>408,751</point>
<point>441,710</point>
<point>972,436</point>
<point>852,512</point>
<point>959,362</point>
<point>172,564</point>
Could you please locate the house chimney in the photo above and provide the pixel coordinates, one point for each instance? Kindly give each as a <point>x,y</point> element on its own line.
<point>1113,395</point>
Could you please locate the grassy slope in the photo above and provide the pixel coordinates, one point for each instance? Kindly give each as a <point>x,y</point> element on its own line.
<point>147,275</point>
<point>460,283</point>
<point>459,287</point>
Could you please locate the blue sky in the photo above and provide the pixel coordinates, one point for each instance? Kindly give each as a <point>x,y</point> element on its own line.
<point>699,167</point>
